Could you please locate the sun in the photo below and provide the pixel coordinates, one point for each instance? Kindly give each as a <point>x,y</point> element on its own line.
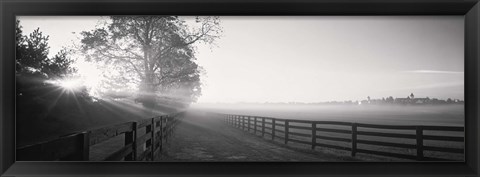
<point>70,84</point>
<point>91,76</point>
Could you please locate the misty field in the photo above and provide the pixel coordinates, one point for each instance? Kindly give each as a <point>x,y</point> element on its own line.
<point>443,115</point>
<point>439,115</point>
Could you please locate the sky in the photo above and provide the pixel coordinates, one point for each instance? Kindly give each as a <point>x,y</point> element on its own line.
<point>313,58</point>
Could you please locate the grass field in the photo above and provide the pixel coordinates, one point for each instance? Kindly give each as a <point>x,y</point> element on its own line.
<point>448,115</point>
<point>442,115</point>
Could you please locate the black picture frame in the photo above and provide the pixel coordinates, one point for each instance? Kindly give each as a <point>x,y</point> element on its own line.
<point>11,8</point>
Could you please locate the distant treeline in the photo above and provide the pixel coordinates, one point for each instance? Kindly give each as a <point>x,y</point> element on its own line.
<point>409,100</point>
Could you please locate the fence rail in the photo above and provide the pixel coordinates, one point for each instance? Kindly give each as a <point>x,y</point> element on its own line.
<point>308,132</point>
<point>76,147</point>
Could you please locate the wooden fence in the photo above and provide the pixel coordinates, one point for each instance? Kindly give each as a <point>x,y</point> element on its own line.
<point>76,147</point>
<point>295,131</point>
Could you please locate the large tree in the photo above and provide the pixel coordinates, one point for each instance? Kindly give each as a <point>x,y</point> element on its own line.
<point>157,53</point>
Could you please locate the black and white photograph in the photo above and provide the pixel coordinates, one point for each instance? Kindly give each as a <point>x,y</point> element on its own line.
<point>240,88</point>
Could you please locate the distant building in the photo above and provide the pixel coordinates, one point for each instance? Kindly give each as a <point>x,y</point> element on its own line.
<point>402,100</point>
<point>409,100</point>
<point>420,100</point>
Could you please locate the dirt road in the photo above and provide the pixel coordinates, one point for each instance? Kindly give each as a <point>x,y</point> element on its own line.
<point>204,138</point>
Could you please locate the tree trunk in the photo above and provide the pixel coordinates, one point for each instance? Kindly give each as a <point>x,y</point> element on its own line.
<point>147,90</point>
<point>147,95</point>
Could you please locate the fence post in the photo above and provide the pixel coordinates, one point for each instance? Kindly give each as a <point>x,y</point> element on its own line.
<point>263,126</point>
<point>255,125</point>
<point>148,143</point>
<point>314,135</point>
<point>153,139</point>
<point>248,127</point>
<point>85,152</point>
<point>243,123</point>
<point>131,138</point>
<point>354,139</point>
<point>161,133</point>
<point>273,129</point>
<point>174,123</point>
<point>235,121</point>
<point>419,134</point>
<point>167,124</point>
<point>286,131</point>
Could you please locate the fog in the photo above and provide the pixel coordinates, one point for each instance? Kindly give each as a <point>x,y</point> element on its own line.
<point>448,115</point>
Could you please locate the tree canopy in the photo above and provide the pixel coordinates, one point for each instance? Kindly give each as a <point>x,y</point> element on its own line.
<point>155,53</point>
<point>36,74</point>
<point>32,56</point>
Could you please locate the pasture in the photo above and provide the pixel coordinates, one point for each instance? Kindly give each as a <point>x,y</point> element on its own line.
<point>445,115</point>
